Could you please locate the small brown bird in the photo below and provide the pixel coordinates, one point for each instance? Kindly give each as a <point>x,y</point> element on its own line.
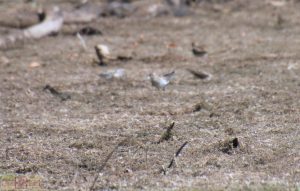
<point>199,74</point>
<point>198,51</point>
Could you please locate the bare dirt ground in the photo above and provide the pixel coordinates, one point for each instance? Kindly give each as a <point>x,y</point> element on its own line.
<point>253,95</point>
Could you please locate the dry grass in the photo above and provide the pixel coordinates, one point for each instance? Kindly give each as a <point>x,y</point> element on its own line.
<point>253,96</point>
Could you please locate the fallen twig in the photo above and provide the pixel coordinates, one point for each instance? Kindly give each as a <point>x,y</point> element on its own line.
<point>54,92</point>
<point>82,41</point>
<point>177,154</point>
<point>174,158</point>
<point>106,160</point>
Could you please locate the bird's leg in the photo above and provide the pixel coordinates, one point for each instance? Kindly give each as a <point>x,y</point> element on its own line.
<point>101,62</point>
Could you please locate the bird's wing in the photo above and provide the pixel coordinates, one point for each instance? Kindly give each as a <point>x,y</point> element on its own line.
<point>168,76</point>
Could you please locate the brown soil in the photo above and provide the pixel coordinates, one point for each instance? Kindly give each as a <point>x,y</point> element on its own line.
<point>253,95</point>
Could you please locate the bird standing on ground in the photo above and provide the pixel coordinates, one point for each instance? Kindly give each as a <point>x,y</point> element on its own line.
<point>160,82</point>
<point>198,51</point>
<point>199,74</point>
<point>102,52</point>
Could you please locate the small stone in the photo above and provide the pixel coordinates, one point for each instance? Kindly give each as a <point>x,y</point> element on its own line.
<point>34,64</point>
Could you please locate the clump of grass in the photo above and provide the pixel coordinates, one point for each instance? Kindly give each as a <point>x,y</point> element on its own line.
<point>228,145</point>
<point>82,145</point>
<point>168,134</point>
